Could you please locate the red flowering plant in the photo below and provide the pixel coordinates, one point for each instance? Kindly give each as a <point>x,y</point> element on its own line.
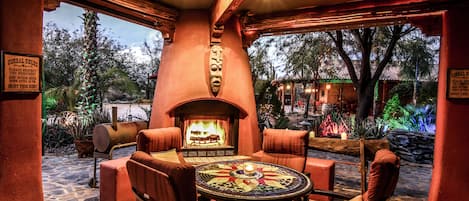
<point>333,127</point>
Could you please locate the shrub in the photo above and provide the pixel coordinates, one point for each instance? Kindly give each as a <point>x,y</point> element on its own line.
<point>392,108</point>
<point>404,90</point>
<point>56,135</point>
<point>414,118</point>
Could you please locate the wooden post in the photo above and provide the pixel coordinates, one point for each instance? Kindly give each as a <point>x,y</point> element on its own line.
<point>114,118</point>
<point>362,165</point>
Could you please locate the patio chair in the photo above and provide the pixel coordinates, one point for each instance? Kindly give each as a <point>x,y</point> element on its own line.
<point>161,140</point>
<point>382,179</point>
<point>289,148</point>
<point>154,179</point>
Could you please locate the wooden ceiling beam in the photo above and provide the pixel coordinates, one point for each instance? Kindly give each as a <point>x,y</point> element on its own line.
<point>348,24</point>
<point>222,10</point>
<point>149,7</point>
<point>50,5</point>
<point>163,20</point>
<point>340,16</point>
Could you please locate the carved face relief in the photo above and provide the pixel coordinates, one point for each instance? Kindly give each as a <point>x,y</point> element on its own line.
<point>215,68</point>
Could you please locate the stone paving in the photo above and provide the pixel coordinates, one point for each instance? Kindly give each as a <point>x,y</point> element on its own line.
<point>65,177</point>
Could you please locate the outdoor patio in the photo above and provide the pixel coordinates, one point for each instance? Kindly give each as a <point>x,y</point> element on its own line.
<point>65,177</point>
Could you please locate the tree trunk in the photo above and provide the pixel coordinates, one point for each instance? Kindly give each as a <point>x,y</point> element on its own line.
<point>308,97</point>
<point>365,102</point>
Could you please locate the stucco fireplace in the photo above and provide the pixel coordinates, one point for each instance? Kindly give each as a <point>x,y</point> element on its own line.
<point>205,88</point>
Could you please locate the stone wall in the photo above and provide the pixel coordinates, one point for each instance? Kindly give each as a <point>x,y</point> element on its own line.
<point>412,146</point>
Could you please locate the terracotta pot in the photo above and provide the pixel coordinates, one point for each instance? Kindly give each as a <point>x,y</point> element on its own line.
<point>84,148</point>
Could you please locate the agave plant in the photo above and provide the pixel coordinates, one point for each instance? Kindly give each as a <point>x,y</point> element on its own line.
<point>415,118</point>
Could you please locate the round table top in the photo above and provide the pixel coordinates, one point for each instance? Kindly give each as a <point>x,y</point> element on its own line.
<point>250,180</point>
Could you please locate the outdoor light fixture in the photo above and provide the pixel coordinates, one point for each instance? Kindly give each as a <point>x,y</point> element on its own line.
<point>308,90</point>
<point>288,87</point>
<point>328,86</point>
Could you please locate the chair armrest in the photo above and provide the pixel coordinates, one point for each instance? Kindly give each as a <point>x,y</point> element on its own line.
<point>331,194</point>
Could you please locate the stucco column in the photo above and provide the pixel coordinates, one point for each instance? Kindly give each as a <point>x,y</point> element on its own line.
<point>451,167</point>
<point>20,115</point>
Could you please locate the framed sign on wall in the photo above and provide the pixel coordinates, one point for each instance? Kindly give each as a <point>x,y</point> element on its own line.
<point>457,86</point>
<point>20,73</point>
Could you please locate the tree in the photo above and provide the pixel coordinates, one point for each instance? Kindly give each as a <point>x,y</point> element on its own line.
<point>305,54</point>
<point>89,99</point>
<point>261,66</point>
<point>416,58</point>
<point>62,55</point>
<point>375,46</point>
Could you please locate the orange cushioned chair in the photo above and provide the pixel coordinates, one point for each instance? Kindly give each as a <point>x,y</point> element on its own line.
<point>382,179</point>
<point>289,148</point>
<point>160,139</point>
<point>154,179</point>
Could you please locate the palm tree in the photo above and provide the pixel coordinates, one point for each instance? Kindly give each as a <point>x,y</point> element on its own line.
<point>89,99</point>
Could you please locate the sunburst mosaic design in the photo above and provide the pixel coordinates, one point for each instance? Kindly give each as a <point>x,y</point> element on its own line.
<point>246,178</point>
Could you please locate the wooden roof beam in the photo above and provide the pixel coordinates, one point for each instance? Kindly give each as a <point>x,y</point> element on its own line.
<point>222,10</point>
<point>348,24</point>
<point>142,12</point>
<point>50,5</point>
<point>328,17</point>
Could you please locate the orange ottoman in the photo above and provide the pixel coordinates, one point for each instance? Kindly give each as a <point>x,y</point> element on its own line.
<point>322,174</point>
<point>114,183</point>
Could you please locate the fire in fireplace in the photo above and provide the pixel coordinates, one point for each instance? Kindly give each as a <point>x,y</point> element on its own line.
<point>206,132</point>
<point>209,127</point>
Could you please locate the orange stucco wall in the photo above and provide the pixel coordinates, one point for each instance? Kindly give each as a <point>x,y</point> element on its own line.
<point>451,168</point>
<point>20,115</point>
<point>183,76</point>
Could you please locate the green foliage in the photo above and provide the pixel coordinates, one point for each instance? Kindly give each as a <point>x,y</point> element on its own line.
<point>404,90</point>
<point>118,79</point>
<point>368,128</point>
<point>64,55</point>
<point>66,97</point>
<point>428,93</point>
<point>269,108</point>
<point>261,65</point>
<point>416,55</point>
<point>415,118</point>
<point>304,54</point>
<point>50,103</point>
<point>282,122</point>
<point>56,134</point>
<point>392,108</point>
<point>79,127</point>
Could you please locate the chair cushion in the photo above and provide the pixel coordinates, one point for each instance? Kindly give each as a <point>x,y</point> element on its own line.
<point>290,160</point>
<point>172,180</point>
<point>285,141</point>
<point>384,173</point>
<point>169,155</point>
<point>159,139</point>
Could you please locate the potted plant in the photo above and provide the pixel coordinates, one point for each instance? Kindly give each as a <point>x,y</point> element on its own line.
<point>79,128</point>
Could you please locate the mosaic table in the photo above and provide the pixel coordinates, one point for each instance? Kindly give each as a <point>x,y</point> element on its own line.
<point>250,180</point>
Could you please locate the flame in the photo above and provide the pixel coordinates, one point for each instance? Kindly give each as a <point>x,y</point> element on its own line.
<point>203,129</point>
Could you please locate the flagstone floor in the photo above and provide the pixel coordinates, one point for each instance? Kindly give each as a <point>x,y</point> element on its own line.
<point>65,177</point>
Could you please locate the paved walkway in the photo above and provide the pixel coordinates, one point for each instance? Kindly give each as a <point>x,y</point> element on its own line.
<point>66,177</point>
